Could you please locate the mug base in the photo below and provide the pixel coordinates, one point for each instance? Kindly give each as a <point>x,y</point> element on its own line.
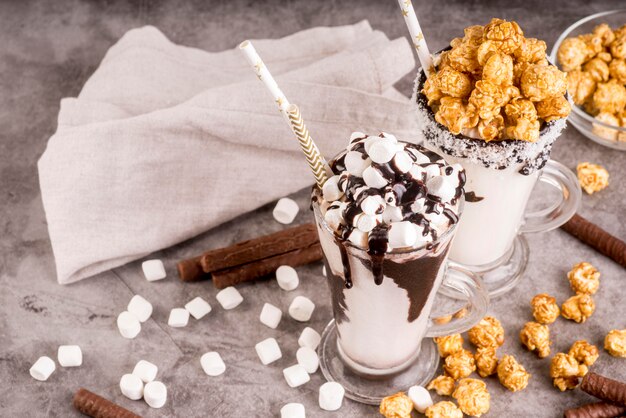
<point>371,386</point>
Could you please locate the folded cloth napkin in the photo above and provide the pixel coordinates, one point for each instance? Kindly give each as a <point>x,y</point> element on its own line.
<point>165,142</point>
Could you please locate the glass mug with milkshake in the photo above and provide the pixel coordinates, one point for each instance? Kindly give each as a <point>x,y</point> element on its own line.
<point>386,219</point>
<point>495,105</point>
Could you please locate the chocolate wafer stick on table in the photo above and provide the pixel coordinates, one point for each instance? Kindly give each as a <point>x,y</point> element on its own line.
<point>98,407</point>
<point>596,410</point>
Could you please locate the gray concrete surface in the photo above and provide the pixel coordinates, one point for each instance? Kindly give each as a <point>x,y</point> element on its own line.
<point>48,50</point>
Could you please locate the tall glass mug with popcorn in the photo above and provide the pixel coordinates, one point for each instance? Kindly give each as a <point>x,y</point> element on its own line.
<point>495,105</point>
<point>386,219</point>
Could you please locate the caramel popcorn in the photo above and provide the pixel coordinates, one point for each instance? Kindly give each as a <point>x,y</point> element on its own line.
<point>566,365</point>
<point>540,82</point>
<point>449,344</point>
<point>443,409</point>
<point>443,385</point>
<point>487,98</point>
<point>499,69</point>
<point>455,115</point>
<point>508,35</point>
<point>617,70</point>
<point>584,278</point>
<point>511,374</point>
<point>584,352</point>
<point>472,397</point>
<point>396,406</point>
<point>580,86</point>
<point>578,308</point>
<point>520,108</point>
<point>454,83</point>
<point>572,54</point>
<point>604,32</point>
<point>592,177</point>
<point>532,50</point>
<point>609,97</point>
<point>524,130</point>
<point>615,343</point>
<point>597,69</point>
<point>459,364</point>
<point>545,309</point>
<point>486,361</point>
<point>618,48</point>
<point>536,337</point>
<point>487,333</point>
<point>565,383</point>
<point>486,50</point>
<point>431,91</point>
<point>491,129</point>
<point>553,108</point>
<point>593,44</point>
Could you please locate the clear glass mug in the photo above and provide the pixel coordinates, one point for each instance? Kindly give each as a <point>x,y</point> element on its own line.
<point>376,342</point>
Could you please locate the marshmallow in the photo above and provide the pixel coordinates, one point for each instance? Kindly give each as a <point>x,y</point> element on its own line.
<point>441,187</point>
<point>331,396</point>
<point>365,223</point>
<point>418,205</point>
<point>432,170</point>
<point>307,358</point>
<point>212,363</point>
<point>374,178</point>
<point>357,135</point>
<point>155,394</point>
<point>268,351</point>
<point>229,298</point>
<point>131,386</point>
<point>309,338</point>
<point>128,324</point>
<point>42,369</point>
<point>358,238</point>
<point>420,397</point>
<point>356,162</point>
<point>420,158</point>
<point>389,136</point>
<point>373,205</point>
<point>145,370</point>
<point>287,277</point>
<point>296,376</point>
<point>153,270</point>
<point>285,210</point>
<point>402,162</point>
<point>270,315</point>
<point>301,308</point>
<point>333,218</point>
<point>179,318</point>
<point>392,214</point>
<point>382,152</point>
<point>402,234</point>
<point>141,308</point>
<point>198,307</point>
<point>417,173</point>
<point>70,356</point>
<point>331,189</point>
<point>292,410</point>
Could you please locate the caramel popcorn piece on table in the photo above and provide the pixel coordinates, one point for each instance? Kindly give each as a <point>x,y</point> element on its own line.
<point>398,405</point>
<point>565,383</point>
<point>443,385</point>
<point>486,361</point>
<point>584,278</point>
<point>592,177</point>
<point>565,370</point>
<point>487,333</point>
<point>536,337</point>
<point>545,309</point>
<point>443,409</point>
<point>615,343</point>
<point>449,344</point>
<point>459,364</point>
<point>578,308</point>
<point>511,374</point>
<point>584,352</point>
<point>472,397</point>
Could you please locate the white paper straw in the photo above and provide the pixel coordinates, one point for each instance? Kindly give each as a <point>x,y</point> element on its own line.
<point>417,37</point>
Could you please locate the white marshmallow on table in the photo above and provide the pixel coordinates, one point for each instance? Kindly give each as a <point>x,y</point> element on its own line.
<point>145,370</point>
<point>307,358</point>
<point>212,363</point>
<point>333,218</point>
<point>153,270</point>
<point>70,356</point>
<point>356,162</point>
<point>358,238</point>
<point>198,307</point>
<point>155,394</point>
<point>292,410</point>
<point>179,318</point>
<point>392,214</point>
<point>331,396</point>
<point>402,161</point>
<point>331,190</point>
<point>402,234</point>
<point>128,324</point>
<point>371,205</point>
<point>374,178</point>
<point>301,308</point>
<point>287,277</point>
<point>382,152</point>
<point>365,223</point>
<point>140,307</point>
<point>42,368</point>
<point>268,351</point>
<point>309,338</point>
<point>296,376</point>
<point>131,386</point>
<point>270,315</point>
<point>441,187</point>
<point>285,210</point>
<point>420,397</point>
<point>229,298</point>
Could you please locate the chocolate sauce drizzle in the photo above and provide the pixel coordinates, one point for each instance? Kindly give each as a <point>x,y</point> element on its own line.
<point>472,197</point>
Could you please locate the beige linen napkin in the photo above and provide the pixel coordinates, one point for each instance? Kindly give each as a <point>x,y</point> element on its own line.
<point>165,142</point>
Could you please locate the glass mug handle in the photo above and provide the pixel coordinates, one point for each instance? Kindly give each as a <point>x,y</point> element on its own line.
<point>460,283</point>
<point>560,177</point>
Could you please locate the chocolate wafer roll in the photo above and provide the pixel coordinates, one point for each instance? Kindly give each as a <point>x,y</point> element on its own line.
<point>601,387</point>
<point>596,237</point>
<point>596,410</point>
<point>98,407</point>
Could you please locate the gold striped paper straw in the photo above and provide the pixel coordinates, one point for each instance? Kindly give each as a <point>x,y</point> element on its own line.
<point>417,37</point>
<point>310,150</point>
<point>264,75</point>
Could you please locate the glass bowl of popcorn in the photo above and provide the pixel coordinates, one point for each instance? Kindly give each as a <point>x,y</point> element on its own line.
<point>592,52</point>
